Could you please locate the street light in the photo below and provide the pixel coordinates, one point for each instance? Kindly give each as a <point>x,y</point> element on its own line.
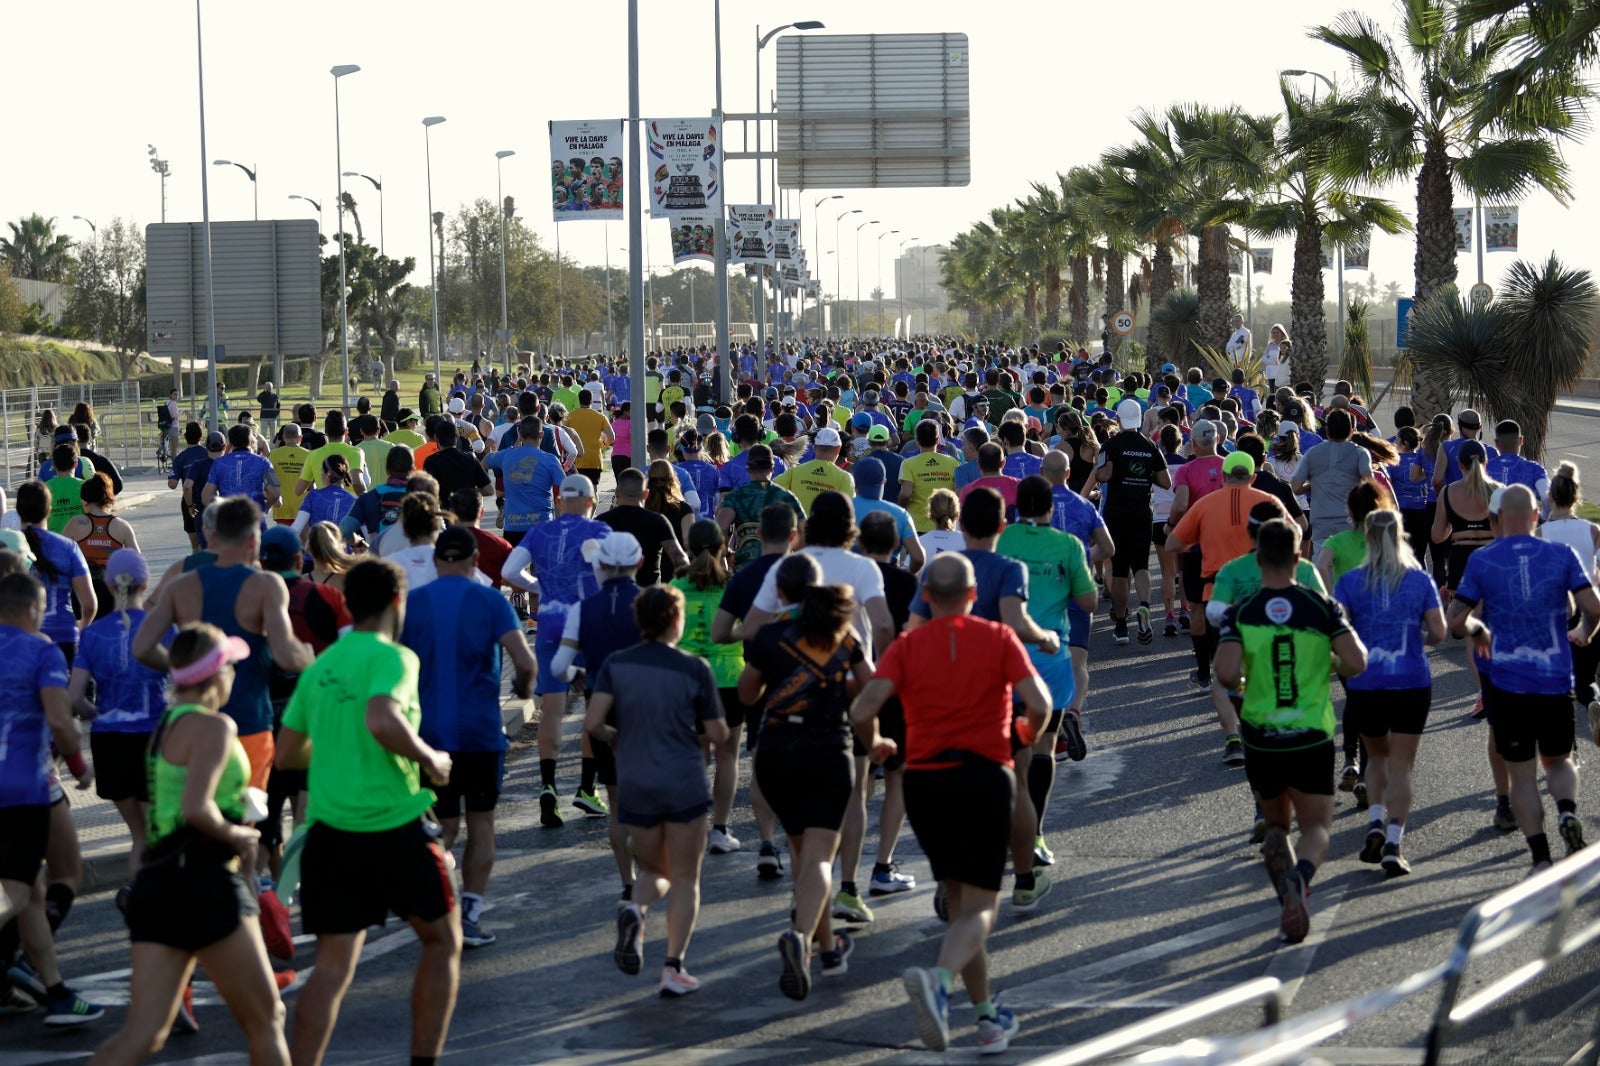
<point>838,263</point>
<point>338,164</point>
<point>761,42</point>
<point>816,221</point>
<point>205,219</point>
<point>899,289</point>
<point>856,318</point>
<point>313,203</point>
<point>881,236</point>
<point>92,227</point>
<point>377,183</point>
<point>161,167</point>
<point>499,188</point>
<point>1332,88</point>
<point>255,189</point>
<point>433,282</point>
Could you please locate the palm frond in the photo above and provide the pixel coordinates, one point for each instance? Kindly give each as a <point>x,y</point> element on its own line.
<point>1509,168</point>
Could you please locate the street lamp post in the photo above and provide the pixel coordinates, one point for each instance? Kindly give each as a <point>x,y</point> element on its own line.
<point>838,261</point>
<point>255,189</point>
<point>161,167</point>
<point>344,279</point>
<point>899,289</point>
<point>205,216</point>
<point>724,391</point>
<point>761,42</point>
<point>313,203</point>
<point>433,281</point>
<point>92,227</point>
<point>856,318</point>
<point>816,223</point>
<point>881,236</point>
<point>499,188</point>
<point>377,183</point>
<point>635,232</point>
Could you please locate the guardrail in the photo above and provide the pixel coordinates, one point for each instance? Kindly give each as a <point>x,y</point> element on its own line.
<point>1551,896</point>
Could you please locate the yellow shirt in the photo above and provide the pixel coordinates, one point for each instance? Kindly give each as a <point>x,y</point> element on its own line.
<point>289,462</point>
<point>925,473</point>
<point>407,437</point>
<point>589,426</point>
<point>809,480</point>
<point>353,455</point>
<point>841,415</point>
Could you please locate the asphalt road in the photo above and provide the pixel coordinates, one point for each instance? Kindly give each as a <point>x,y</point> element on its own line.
<point>1160,899</point>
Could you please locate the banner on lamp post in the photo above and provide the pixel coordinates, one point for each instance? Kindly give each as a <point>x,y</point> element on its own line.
<point>1235,261</point>
<point>750,233</point>
<point>1500,229</point>
<point>785,239</point>
<point>1261,260</point>
<point>1463,217</point>
<point>586,170</point>
<point>1358,253</point>
<point>685,166</point>
<point>694,236</point>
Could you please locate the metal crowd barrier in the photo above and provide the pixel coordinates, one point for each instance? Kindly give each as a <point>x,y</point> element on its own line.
<point>1550,897</point>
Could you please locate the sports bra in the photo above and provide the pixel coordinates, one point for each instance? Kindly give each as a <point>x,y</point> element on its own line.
<point>1465,532</point>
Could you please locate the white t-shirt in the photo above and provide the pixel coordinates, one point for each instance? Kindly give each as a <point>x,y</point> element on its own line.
<point>839,567</point>
<point>942,540</point>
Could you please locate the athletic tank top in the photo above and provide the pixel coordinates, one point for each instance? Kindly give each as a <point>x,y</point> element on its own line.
<point>98,544</point>
<point>250,706</point>
<point>167,781</point>
<point>1577,534</point>
<point>1466,532</point>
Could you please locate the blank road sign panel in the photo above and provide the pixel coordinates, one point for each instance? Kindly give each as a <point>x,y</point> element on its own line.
<point>268,282</point>
<point>872,111</point>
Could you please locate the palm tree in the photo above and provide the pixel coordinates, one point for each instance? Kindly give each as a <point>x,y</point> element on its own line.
<point>1311,204</point>
<point>977,274</point>
<point>1069,208</point>
<point>35,251</point>
<point>1044,227</point>
<point>1429,105</point>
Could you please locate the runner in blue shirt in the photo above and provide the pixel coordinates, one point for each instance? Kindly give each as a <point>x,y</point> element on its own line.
<point>1393,606</point>
<point>702,475</point>
<point>1508,466</point>
<point>736,471</point>
<point>531,477</point>
<point>562,577</point>
<point>458,628</point>
<point>1522,583</point>
<point>1468,422</point>
<point>242,472</point>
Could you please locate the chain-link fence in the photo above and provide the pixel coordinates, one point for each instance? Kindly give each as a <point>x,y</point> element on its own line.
<point>127,433</point>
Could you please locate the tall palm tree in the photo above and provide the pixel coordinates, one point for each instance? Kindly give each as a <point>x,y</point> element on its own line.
<point>1118,239</point>
<point>1428,104</point>
<point>1070,209</point>
<point>35,251</point>
<point>1144,184</point>
<point>1043,227</point>
<point>1309,203</point>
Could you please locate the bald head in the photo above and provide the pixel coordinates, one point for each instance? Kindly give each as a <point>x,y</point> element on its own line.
<point>1518,511</point>
<point>1054,467</point>
<point>949,585</point>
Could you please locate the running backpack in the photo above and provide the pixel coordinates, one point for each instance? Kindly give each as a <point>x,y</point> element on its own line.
<point>747,534</point>
<point>389,497</point>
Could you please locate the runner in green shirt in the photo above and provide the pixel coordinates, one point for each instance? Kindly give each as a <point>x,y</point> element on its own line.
<point>1276,645</point>
<point>368,850</point>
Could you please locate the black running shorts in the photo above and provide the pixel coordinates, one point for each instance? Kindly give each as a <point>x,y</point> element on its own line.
<point>24,835</point>
<point>1194,582</point>
<point>475,778</point>
<point>962,818</point>
<point>352,881</point>
<point>733,709</point>
<point>1304,770</point>
<point>190,899</point>
<point>119,765</point>
<point>1379,712</point>
<point>1131,536</point>
<point>892,724</point>
<point>1525,724</point>
<point>807,787</point>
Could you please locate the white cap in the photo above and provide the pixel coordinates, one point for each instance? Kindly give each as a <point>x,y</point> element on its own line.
<point>577,486</point>
<point>828,437</point>
<point>1130,414</point>
<point>617,549</point>
<point>789,401</point>
<point>457,405</point>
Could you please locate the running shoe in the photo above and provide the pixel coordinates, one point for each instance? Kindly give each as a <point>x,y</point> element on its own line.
<point>1072,736</point>
<point>591,804</point>
<point>629,952</point>
<point>851,909</point>
<point>474,936</point>
<point>836,963</point>
<point>184,1023</point>
<point>1026,899</point>
<point>1171,629</point>
<point>14,1000</point>
<point>121,899</point>
<point>1479,711</point>
<point>1042,855</point>
<point>1505,819</point>
<point>890,882</point>
<point>931,1005</point>
<point>1119,630</point>
<point>1394,864</point>
<point>994,1034</point>
<point>1141,618</point>
<point>1183,619</point>
<point>721,843</point>
<point>1539,867</point>
<point>1203,684</point>
<point>1594,722</point>
<point>1362,802</point>
<point>676,983</point>
<point>1295,922</point>
<point>1349,776</point>
<point>1063,753</point>
<point>941,903</point>
<point>769,866</point>
<point>795,980</point>
<point>1571,832</point>
<point>550,809</point>
<point>70,1009</point>
<point>626,897</point>
<point>283,978</point>
<point>1372,849</point>
<point>1233,752</point>
<point>24,976</point>
<point>1258,832</point>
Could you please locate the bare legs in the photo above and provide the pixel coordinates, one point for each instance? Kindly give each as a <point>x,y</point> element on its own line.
<point>669,857</point>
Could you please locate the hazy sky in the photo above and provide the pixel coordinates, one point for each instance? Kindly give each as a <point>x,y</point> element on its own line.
<point>1053,84</point>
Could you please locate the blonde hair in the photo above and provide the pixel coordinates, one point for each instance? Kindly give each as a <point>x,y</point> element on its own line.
<point>326,546</point>
<point>1477,479</point>
<point>944,508</point>
<point>1389,553</point>
<point>1565,488</point>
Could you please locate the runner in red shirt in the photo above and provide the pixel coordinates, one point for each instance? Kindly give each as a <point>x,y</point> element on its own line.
<point>959,784</point>
<point>493,550</point>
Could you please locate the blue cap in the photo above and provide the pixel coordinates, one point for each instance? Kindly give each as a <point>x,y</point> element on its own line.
<point>280,550</point>
<point>1168,368</point>
<point>861,422</point>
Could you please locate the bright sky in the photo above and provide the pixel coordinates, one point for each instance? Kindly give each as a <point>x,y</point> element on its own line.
<point>102,78</point>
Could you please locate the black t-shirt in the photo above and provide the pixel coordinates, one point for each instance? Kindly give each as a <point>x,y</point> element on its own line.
<point>899,588</point>
<point>807,703</point>
<point>1269,482</point>
<point>739,595</point>
<point>312,439</point>
<point>653,532</point>
<point>1135,461</point>
<point>454,470</point>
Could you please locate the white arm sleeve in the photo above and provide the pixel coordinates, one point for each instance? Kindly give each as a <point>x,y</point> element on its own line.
<point>515,572</point>
<point>1216,611</point>
<point>566,655</point>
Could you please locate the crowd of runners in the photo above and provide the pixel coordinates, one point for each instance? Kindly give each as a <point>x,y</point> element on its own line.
<point>877,564</point>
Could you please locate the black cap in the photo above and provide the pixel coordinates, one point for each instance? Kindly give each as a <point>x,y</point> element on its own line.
<point>455,544</point>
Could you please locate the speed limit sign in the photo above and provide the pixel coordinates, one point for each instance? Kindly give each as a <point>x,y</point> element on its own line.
<point>1480,295</point>
<point>1122,323</point>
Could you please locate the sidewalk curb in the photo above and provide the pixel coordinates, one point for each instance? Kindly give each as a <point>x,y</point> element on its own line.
<point>1587,410</point>
<point>108,870</point>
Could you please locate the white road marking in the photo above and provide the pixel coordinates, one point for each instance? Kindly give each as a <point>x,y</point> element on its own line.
<point>1291,963</point>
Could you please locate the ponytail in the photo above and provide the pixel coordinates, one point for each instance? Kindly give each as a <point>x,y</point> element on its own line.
<point>826,612</point>
<point>1389,554</point>
<point>1478,481</point>
<point>1565,489</point>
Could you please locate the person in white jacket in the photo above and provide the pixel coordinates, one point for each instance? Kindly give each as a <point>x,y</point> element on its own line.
<point>1238,347</point>
<point>1274,359</point>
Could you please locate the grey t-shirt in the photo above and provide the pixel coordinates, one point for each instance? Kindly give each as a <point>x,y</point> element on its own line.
<point>661,695</point>
<point>1333,468</point>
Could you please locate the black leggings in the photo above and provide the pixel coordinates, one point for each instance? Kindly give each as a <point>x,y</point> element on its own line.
<point>1418,525</point>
